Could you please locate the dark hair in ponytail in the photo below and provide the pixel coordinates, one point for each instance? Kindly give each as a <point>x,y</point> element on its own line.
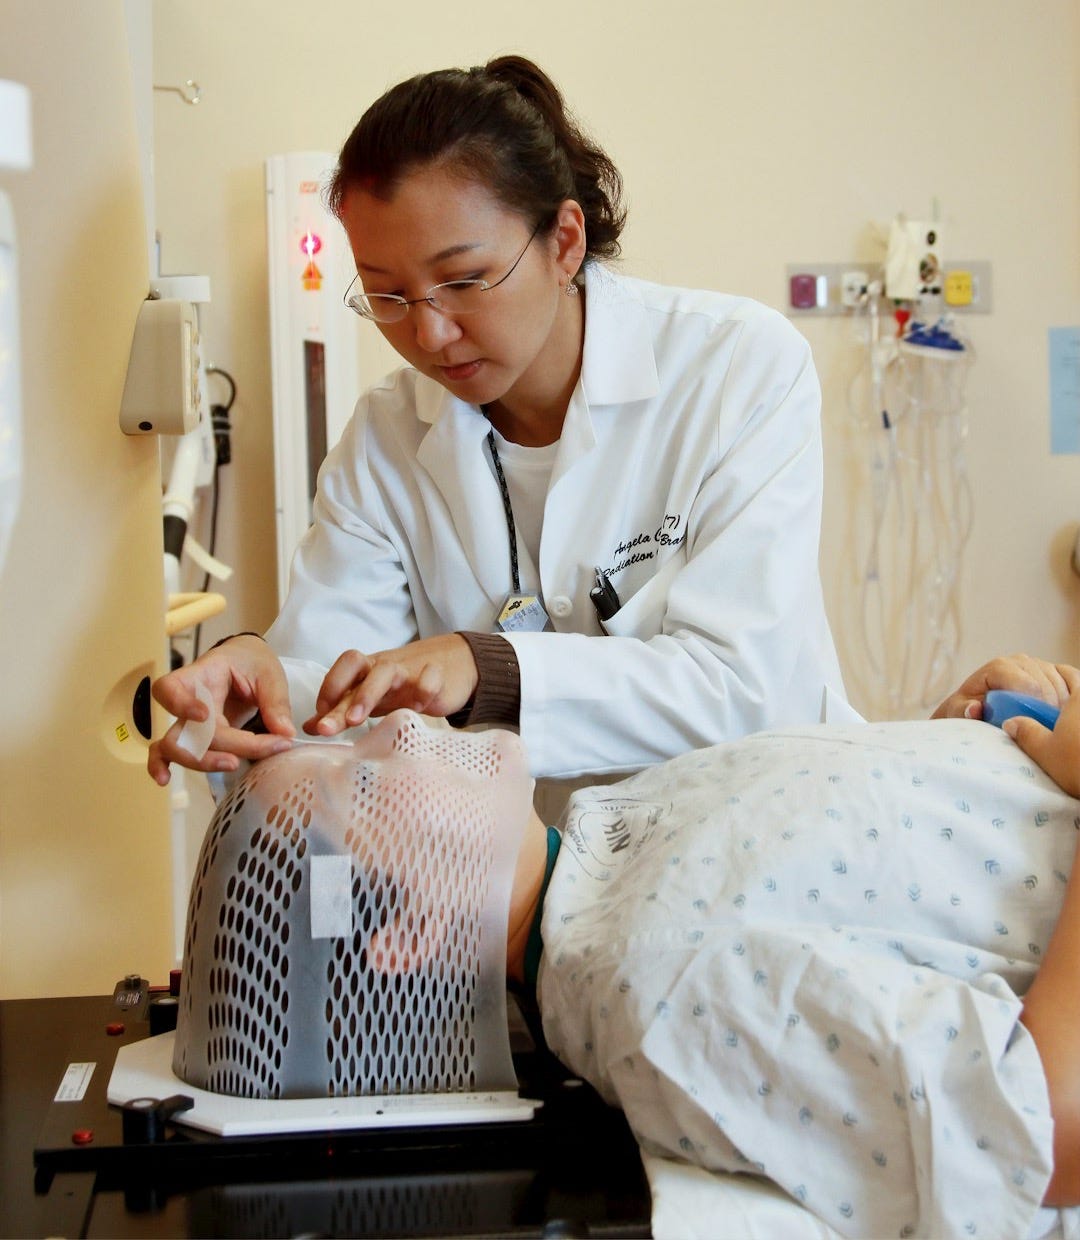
<point>504,125</point>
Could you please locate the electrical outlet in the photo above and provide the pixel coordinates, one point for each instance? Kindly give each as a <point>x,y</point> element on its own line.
<point>969,287</point>
<point>959,290</point>
<point>853,286</point>
<point>816,289</point>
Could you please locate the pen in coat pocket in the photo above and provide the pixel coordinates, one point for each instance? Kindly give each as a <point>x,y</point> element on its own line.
<point>603,596</point>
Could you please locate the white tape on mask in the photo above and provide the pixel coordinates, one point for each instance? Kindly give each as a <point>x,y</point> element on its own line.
<point>331,897</point>
<point>194,736</point>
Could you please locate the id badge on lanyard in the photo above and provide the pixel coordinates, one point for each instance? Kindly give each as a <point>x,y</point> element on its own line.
<point>522,613</point>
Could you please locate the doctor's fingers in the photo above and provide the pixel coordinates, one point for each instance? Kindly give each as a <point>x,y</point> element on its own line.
<point>178,693</point>
<point>386,684</point>
<point>348,670</point>
<point>233,680</point>
<point>228,746</point>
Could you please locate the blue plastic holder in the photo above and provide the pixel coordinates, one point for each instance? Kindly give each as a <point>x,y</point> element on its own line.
<point>920,336</point>
<point>1002,704</point>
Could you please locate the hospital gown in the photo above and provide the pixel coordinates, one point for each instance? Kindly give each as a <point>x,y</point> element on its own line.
<point>800,955</point>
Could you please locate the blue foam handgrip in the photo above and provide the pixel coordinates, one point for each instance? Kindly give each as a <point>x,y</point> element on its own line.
<point>1002,704</point>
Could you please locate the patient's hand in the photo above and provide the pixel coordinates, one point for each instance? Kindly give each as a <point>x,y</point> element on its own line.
<point>1057,752</point>
<point>1021,673</point>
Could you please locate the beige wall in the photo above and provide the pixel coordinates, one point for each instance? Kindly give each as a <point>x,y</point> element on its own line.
<point>751,134</point>
<point>84,834</point>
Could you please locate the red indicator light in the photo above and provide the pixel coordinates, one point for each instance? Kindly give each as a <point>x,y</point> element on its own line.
<point>311,243</point>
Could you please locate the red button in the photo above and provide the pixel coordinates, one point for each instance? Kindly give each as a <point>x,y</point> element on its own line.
<point>82,1136</point>
<point>115,1029</point>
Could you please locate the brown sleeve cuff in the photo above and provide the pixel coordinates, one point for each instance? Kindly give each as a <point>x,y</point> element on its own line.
<point>498,691</point>
<point>222,640</point>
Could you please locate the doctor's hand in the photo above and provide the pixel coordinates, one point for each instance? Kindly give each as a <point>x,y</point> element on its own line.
<point>435,676</point>
<point>1056,751</point>
<point>1020,673</point>
<point>241,676</point>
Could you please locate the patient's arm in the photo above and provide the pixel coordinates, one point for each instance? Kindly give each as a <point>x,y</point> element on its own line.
<point>1052,1004</point>
<point>1052,1014</point>
<point>1022,673</point>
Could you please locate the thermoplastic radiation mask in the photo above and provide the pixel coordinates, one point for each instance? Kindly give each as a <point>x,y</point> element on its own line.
<point>346,930</point>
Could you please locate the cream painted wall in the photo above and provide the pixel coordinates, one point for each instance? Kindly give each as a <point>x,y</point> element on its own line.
<point>84,834</point>
<point>751,133</point>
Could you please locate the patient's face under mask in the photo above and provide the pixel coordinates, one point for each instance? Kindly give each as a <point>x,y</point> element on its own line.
<point>346,930</point>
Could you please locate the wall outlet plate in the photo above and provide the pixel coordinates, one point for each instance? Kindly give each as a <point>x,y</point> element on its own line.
<point>820,286</point>
<point>958,288</point>
<point>803,290</point>
<point>822,289</point>
<point>853,287</point>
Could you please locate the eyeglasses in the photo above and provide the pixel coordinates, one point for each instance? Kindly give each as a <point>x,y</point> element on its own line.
<point>453,297</point>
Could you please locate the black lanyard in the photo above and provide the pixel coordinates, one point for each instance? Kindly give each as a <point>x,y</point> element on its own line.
<point>508,508</point>
<point>603,595</point>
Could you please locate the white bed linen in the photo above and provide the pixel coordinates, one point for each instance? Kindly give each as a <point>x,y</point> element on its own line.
<point>690,1203</point>
<point>800,956</point>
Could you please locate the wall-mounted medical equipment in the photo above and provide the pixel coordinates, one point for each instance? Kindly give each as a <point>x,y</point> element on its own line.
<point>161,392</point>
<point>14,153</point>
<point>914,267</point>
<point>816,290</point>
<point>914,514</point>
<point>914,263</point>
<point>313,339</point>
<point>166,394</point>
<point>188,462</point>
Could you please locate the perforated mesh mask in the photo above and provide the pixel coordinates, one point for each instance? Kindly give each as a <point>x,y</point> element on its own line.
<point>346,930</point>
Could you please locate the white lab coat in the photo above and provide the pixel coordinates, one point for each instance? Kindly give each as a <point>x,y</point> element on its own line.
<point>689,468</point>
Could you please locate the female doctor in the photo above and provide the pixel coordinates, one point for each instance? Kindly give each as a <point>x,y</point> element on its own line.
<point>587,507</point>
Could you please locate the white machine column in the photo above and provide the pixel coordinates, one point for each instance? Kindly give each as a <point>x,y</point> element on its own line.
<point>14,153</point>
<point>313,339</point>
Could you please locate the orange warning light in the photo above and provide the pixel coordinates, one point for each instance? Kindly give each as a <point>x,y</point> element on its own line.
<point>312,278</point>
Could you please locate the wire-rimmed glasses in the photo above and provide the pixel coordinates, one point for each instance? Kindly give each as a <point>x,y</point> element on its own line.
<point>454,297</point>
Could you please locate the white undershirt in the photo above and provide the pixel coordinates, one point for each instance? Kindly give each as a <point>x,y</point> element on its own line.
<point>528,476</point>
